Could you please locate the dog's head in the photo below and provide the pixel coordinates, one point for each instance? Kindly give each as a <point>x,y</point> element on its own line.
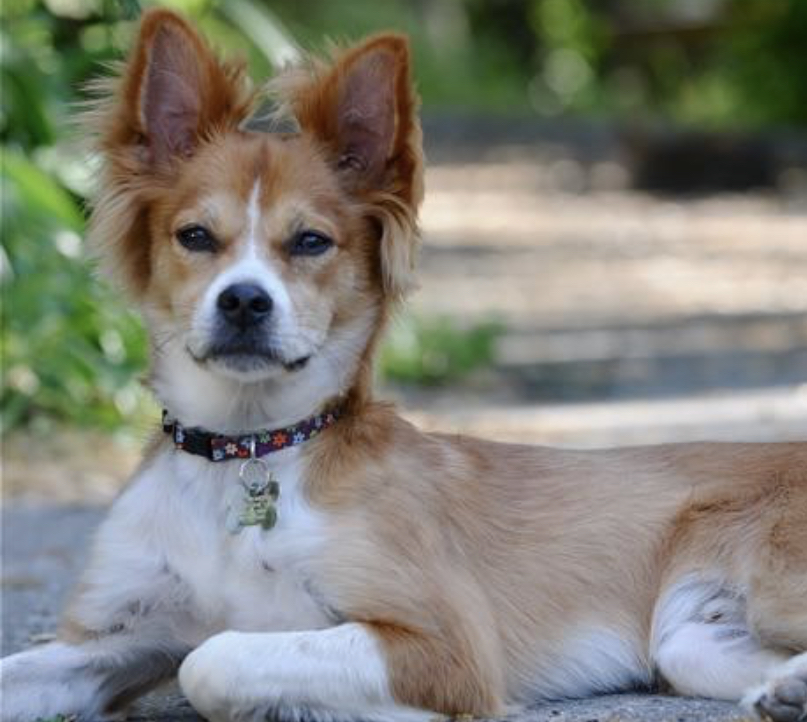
<point>264,259</point>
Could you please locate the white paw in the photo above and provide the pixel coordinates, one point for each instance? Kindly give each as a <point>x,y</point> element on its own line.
<point>783,698</point>
<point>210,680</point>
<point>45,682</point>
<point>293,676</point>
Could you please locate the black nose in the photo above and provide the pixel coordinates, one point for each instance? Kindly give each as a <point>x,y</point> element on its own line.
<point>244,304</point>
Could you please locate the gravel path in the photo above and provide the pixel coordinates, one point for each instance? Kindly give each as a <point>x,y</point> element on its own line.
<point>613,293</point>
<point>44,547</point>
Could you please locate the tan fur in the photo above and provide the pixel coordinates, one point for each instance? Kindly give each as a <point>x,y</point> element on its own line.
<point>472,562</point>
<point>130,183</point>
<point>309,93</point>
<point>508,546</point>
<point>138,207</point>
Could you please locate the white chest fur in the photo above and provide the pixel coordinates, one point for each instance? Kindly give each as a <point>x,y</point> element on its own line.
<point>169,531</point>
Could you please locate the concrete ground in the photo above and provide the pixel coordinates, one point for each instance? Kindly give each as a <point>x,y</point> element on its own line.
<point>627,318</point>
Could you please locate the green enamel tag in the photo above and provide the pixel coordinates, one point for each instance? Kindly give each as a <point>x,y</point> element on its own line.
<point>259,508</point>
<point>261,491</point>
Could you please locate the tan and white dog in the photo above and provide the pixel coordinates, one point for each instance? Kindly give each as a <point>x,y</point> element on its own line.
<point>405,574</point>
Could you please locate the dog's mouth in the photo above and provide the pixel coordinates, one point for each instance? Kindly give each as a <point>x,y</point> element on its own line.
<point>248,358</point>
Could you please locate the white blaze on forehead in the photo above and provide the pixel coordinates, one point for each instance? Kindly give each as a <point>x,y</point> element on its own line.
<point>253,218</point>
<point>251,265</point>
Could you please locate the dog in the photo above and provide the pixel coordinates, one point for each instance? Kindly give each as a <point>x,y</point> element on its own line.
<point>292,548</point>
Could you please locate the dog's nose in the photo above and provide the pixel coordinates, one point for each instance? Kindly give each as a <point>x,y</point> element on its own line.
<point>244,304</point>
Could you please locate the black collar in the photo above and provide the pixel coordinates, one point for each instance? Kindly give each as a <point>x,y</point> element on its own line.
<point>221,447</point>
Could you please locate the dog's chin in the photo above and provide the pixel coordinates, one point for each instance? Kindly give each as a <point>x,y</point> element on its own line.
<point>250,366</point>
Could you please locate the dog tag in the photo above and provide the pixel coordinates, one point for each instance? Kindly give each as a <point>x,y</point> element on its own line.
<point>256,508</point>
<point>254,475</point>
<point>258,494</point>
<point>259,510</point>
<point>234,503</point>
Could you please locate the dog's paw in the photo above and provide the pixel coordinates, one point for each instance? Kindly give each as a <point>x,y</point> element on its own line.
<point>210,680</point>
<point>783,698</point>
<point>44,683</point>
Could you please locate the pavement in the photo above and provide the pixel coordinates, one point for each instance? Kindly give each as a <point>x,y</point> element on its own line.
<point>608,293</point>
<point>44,548</point>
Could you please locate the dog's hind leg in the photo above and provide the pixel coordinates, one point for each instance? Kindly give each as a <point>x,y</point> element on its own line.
<point>783,697</point>
<point>702,643</point>
<point>778,614</point>
<point>712,640</point>
<point>777,607</point>
<point>740,620</point>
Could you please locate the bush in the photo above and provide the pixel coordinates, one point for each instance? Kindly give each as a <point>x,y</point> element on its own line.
<point>72,352</point>
<point>71,349</point>
<point>437,351</point>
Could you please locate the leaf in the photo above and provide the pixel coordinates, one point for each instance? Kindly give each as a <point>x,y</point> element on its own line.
<point>38,191</point>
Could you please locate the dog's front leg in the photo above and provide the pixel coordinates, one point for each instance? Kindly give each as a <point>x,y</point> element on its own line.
<point>127,628</point>
<point>91,680</point>
<point>338,674</point>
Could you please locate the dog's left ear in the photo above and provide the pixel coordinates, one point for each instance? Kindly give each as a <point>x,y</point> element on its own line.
<point>173,92</point>
<point>363,109</point>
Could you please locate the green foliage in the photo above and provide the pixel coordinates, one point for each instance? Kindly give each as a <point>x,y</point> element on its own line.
<point>721,65</point>
<point>71,350</point>
<point>759,66</point>
<point>457,63</point>
<point>436,351</point>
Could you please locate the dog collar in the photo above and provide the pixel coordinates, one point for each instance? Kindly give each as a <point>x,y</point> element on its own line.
<point>221,447</point>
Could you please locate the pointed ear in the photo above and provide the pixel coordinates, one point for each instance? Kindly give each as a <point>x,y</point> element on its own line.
<point>367,108</point>
<point>363,108</point>
<point>166,98</point>
<point>175,92</point>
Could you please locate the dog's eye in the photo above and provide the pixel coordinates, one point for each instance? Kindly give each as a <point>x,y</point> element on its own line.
<point>309,243</point>
<point>197,238</point>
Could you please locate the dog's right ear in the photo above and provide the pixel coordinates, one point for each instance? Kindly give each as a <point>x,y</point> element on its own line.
<point>173,92</point>
<point>168,97</point>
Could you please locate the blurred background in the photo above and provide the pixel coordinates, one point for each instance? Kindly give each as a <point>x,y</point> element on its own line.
<point>615,230</point>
